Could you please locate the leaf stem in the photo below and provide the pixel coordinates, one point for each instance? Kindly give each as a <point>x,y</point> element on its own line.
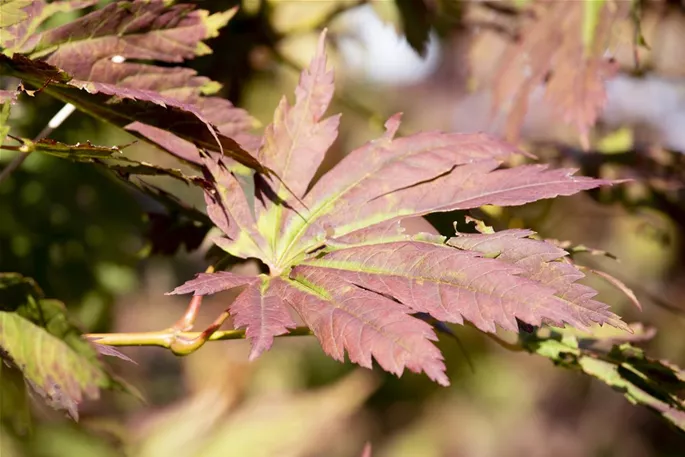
<point>186,321</point>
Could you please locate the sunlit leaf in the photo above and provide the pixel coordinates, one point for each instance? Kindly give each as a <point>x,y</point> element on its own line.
<point>33,14</point>
<point>296,142</point>
<point>339,260</point>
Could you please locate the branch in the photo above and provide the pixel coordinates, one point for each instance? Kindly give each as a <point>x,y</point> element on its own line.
<point>166,338</point>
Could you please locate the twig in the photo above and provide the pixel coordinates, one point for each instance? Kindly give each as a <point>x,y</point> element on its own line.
<point>165,338</point>
<point>55,122</point>
<point>177,338</point>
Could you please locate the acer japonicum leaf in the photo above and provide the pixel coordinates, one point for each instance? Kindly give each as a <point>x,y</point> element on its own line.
<point>340,262</point>
<point>563,48</point>
<point>165,105</point>
<point>365,323</point>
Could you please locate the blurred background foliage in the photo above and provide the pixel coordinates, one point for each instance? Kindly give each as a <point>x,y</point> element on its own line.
<point>83,236</point>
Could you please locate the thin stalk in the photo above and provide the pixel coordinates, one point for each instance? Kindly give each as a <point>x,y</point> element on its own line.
<point>55,122</point>
<point>186,321</point>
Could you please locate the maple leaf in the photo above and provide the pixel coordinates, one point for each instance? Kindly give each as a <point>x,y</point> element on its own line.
<point>339,260</point>
<point>94,63</point>
<point>561,46</point>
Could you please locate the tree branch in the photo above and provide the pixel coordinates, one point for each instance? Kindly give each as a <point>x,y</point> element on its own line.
<point>166,338</point>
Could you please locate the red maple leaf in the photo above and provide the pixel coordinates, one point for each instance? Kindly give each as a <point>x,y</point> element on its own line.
<point>339,260</point>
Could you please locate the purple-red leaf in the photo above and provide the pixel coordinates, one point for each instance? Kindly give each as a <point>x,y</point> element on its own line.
<point>441,173</point>
<point>94,53</point>
<point>338,255</point>
<point>296,142</point>
<point>21,33</point>
<point>391,166</point>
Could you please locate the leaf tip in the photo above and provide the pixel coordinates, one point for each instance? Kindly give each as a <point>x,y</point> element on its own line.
<point>256,351</point>
<point>322,40</point>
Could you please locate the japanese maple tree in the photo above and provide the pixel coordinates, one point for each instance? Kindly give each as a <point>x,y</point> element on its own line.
<point>339,260</point>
